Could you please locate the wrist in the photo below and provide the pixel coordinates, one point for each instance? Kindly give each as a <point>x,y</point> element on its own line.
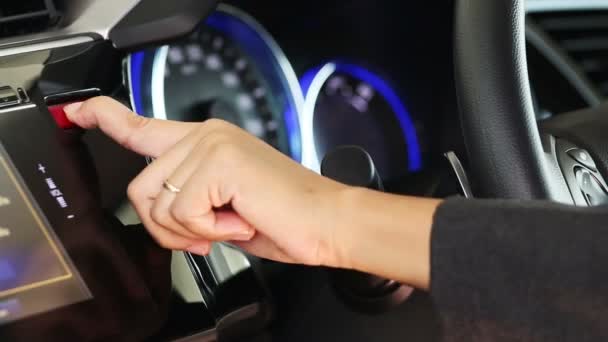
<point>383,234</point>
<point>345,204</point>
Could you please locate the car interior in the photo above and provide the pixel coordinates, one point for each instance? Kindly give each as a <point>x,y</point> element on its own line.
<point>472,98</point>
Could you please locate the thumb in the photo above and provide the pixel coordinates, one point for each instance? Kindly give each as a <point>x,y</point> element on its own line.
<point>149,137</point>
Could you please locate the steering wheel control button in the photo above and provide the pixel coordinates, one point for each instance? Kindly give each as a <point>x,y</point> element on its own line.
<point>591,188</point>
<point>583,157</point>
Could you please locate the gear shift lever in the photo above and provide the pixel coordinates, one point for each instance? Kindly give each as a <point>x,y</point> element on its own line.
<point>352,165</point>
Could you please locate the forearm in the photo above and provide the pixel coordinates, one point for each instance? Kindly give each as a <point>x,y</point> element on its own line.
<point>518,270</point>
<point>386,235</point>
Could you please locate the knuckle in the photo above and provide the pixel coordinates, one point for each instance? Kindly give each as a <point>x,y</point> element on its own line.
<point>191,223</point>
<point>184,217</point>
<point>214,123</point>
<point>217,127</point>
<point>190,220</point>
<point>160,216</point>
<point>133,191</point>
<point>178,212</point>
<point>223,149</point>
<point>135,123</point>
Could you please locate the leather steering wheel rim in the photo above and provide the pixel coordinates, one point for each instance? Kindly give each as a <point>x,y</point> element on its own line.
<point>507,155</point>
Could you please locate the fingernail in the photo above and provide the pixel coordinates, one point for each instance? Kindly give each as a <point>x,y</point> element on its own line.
<point>243,236</point>
<point>201,250</point>
<point>71,109</point>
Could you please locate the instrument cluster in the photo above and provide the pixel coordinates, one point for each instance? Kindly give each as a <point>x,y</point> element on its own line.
<point>304,105</point>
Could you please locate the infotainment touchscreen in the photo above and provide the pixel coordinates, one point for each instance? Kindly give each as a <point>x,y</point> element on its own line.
<point>36,274</point>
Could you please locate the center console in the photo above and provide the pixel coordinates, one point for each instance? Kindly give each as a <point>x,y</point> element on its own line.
<point>71,266</point>
<point>67,269</point>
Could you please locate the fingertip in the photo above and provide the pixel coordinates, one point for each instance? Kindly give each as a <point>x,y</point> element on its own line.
<point>71,111</point>
<point>138,133</point>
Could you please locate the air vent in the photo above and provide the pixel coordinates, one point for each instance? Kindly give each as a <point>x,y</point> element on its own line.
<point>26,16</point>
<point>584,36</point>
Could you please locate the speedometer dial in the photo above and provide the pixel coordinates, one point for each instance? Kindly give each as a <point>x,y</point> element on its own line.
<point>229,69</point>
<point>210,77</point>
<point>347,104</point>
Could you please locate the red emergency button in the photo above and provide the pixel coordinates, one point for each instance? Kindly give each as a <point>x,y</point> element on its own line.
<point>60,117</point>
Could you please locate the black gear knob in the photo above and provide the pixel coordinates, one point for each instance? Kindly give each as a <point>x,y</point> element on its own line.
<point>352,165</point>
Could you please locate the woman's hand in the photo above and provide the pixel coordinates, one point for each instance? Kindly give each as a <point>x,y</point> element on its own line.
<point>226,185</point>
<point>232,187</point>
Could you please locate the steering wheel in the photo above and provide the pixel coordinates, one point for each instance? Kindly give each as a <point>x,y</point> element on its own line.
<point>511,155</point>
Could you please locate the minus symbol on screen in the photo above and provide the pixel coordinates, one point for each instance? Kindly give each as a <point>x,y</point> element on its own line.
<point>71,217</point>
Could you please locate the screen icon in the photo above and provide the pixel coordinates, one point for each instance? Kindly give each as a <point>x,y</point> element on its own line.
<point>4,201</point>
<point>4,232</point>
<point>8,309</point>
<point>6,271</point>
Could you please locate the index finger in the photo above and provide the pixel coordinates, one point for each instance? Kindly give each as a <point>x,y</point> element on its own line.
<point>145,136</point>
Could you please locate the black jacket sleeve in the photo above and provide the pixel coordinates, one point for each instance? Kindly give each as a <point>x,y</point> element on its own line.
<point>520,271</point>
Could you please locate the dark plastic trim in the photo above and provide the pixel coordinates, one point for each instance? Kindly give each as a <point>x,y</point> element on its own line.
<point>557,57</point>
<point>153,22</point>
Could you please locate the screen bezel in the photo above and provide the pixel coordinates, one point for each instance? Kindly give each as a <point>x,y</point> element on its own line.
<point>69,285</point>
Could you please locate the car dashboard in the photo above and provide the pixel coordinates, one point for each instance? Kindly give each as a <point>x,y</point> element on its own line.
<point>305,77</point>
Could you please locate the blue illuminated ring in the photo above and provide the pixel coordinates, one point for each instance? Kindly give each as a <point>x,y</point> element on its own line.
<point>312,83</point>
<point>147,93</point>
<point>136,61</point>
